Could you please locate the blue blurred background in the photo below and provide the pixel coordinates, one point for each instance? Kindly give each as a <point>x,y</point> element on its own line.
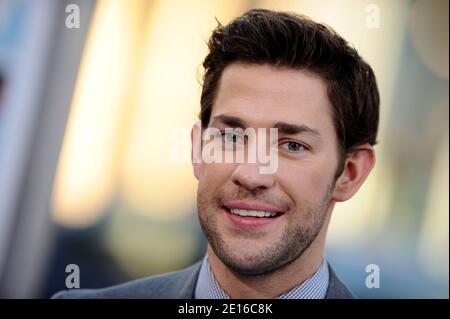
<point>90,111</point>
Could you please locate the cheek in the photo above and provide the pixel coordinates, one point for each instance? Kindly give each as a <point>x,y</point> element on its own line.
<point>214,175</point>
<point>305,181</point>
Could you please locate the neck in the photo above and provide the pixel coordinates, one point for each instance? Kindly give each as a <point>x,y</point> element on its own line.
<point>273,284</point>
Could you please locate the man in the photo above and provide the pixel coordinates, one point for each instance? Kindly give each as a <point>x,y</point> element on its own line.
<point>266,230</point>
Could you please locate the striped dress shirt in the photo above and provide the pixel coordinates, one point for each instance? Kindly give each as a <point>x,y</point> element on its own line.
<point>314,287</point>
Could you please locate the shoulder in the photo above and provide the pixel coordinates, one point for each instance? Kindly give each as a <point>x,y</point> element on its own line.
<point>174,285</point>
<point>336,288</point>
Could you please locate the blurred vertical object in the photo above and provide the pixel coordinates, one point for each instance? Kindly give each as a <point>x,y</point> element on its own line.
<point>35,111</point>
<point>429,33</point>
<point>88,170</point>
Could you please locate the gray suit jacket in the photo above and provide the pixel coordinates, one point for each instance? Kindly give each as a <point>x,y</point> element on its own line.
<point>176,285</point>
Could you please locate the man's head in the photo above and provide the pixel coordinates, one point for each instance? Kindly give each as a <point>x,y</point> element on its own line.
<point>268,69</point>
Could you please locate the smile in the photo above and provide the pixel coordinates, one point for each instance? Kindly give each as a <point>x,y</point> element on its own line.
<point>252,213</point>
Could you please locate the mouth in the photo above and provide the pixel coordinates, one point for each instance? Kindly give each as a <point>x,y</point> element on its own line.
<point>252,213</point>
<point>252,216</point>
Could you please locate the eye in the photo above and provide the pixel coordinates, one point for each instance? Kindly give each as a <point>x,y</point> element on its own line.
<point>293,147</point>
<point>231,137</point>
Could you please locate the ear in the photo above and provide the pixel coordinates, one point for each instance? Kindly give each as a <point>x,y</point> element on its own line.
<point>358,165</point>
<point>196,150</point>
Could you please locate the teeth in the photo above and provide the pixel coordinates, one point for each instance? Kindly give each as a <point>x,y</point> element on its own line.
<point>253,213</point>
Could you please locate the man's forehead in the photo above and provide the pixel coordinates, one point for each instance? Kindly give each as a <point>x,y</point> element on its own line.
<point>264,79</point>
<point>267,91</point>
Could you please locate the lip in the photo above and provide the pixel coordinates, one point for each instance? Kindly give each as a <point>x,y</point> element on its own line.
<point>252,205</point>
<point>249,223</point>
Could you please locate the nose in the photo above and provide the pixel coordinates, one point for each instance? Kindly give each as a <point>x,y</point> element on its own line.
<point>248,176</point>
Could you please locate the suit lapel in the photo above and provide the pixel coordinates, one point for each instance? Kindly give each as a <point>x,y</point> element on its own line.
<point>336,288</point>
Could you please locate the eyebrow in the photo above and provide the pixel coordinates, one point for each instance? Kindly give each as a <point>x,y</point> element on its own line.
<point>283,127</point>
<point>293,129</point>
<point>231,121</point>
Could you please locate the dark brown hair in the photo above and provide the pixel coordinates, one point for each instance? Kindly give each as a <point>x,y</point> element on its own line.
<point>290,40</point>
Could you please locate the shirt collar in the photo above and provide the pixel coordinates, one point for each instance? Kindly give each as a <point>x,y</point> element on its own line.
<point>315,287</point>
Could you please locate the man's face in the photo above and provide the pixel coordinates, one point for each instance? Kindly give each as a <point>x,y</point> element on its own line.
<point>299,192</point>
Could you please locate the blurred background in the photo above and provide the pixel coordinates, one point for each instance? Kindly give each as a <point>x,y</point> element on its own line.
<point>95,94</point>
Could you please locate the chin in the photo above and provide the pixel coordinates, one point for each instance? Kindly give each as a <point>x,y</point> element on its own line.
<point>247,263</point>
<point>249,269</point>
